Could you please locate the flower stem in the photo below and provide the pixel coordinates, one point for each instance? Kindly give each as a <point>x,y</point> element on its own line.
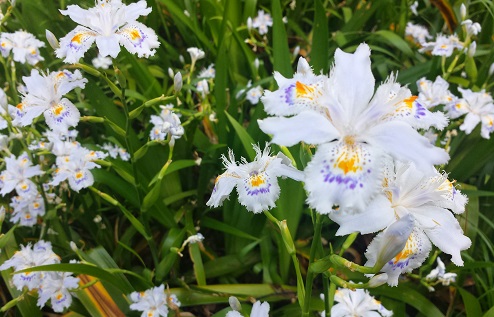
<point>309,279</point>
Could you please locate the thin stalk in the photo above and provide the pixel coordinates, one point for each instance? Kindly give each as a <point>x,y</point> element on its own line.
<point>332,292</point>
<point>309,279</point>
<point>327,289</point>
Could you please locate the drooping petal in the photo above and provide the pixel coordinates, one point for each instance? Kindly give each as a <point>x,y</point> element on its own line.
<point>222,188</point>
<point>78,15</point>
<point>62,116</point>
<point>108,45</point>
<point>342,173</point>
<point>404,143</point>
<point>75,44</point>
<point>138,39</point>
<point>376,216</point>
<point>307,126</point>
<point>443,230</point>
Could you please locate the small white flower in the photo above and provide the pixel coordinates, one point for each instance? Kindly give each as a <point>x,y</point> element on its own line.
<point>435,93</point>
<point>26,209</point>
<point>262,21</point>
<point>17,176</point>
<point>443,46</point>
<point>115,151</point>
<point>110,24</point>
<point>357,302</point>
<point>195,54</point>
<point>439,274</point>
<point>56,286</point>
<point>256,182</point>
<point>254,94</point>
<point>479,108</point>
<point>152,302</point>
<point>207,72</point>
<point>103,62</point>
<point>24,46</point>
<point>471,27</point>
<point>167,123</point>
<point>417,32</point>
<point>258,310</point>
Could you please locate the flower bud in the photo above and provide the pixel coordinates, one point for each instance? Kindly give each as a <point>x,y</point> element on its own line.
<point>378,280</point>
<point>256,63</point>
<point>472,49</point>
<point>463,11</point>
<point>170,72</point>
<point>234,303</point>
<point>177,82</point>
<point>296,50</point>
<point>52,40</point>
<point>73,246</point>
<point>394,240</point>
<point>249,24</point>
<point>491,69</point>
<point>2,214</point>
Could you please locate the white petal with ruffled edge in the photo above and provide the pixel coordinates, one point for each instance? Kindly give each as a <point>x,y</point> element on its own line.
<point>75,44</point>
<point>138,39</point>
<point>342,174</point>
<point>443,230</point>
<point>62,116</point>
<point>223,187</point>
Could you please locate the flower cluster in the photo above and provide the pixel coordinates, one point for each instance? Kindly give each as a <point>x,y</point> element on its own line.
<point>167,124</point>
<point>50,285</point>
<point>23,45</point>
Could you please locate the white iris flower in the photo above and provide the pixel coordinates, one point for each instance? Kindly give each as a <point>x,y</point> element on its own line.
<point>354,127</point>
<point>110,24</point>
<point>359,302</point>
<point>45,96</point>
<point>256,182</point>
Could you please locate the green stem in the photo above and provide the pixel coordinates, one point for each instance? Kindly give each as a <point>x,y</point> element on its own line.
<point>330,296</point>
<point>327,289</point>
<point>309,279</point>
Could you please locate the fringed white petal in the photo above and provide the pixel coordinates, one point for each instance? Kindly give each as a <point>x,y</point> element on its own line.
<point>75,44</point>
<point>443,230</point>
<point>62,116</point>
<point>138,39</point>
<point>108,45</point>
<point>342,174</point>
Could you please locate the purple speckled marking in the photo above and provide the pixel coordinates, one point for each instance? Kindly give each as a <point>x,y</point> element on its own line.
<point>289,94</point>
<point>420,112</point>
<point>349,181</point>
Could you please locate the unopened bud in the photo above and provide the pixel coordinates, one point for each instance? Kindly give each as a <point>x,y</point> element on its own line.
<point>394,240</point>
<point>181,59</point>
<point>121,78</point>
<point>170,72</point>
<point>256,63</point>
<point>463,11</point>
<point>249,24</point>
<point>296,50</point>
<point>378,280</point>
<point>2,214</point>
<point>177,82</point>
<point>52,40</point>
<point>73,246</point>
<point>234,303</point>
<point>491,69</point>
<point>472,49</point>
